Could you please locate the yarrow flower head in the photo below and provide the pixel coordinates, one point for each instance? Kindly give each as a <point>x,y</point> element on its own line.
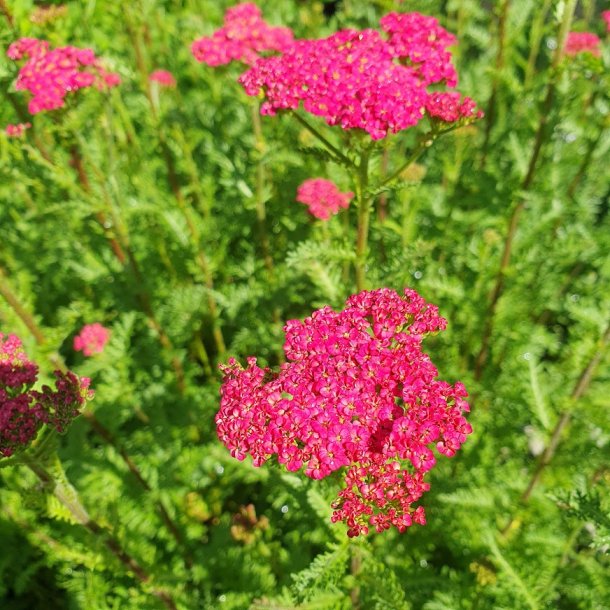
<point>361,80</point>
<point>16,131</point>
<point>243,37</point>
<point>92,339</point>
<point>23,410</point>
<point>322,197</point>
<point>50,74</point>
<point>583,42</point>
<point>606,18</point>
<point>356,394</point>
<point>163,77</point>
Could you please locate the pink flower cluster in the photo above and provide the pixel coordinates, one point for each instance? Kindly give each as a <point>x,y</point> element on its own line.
<point>606,18</point>
<point>163,77</point>
<point>357,392</point>
<point>16,131</point>
<point>50,74</point>
<point>92,339</point>
<point>23,410</point>
<point>243,37</point>
<point>583,42</point>
<point>361,80</point>
<point>323,197</point>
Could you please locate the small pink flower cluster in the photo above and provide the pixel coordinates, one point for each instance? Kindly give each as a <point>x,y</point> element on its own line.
<point>24,410</point>
<point>606,18</point>
<point>16,131</point>
<point>323,197</point>
<point>163,77</point>
<point>357,392</point>
<point>50,74</point>
<point>243,37</point>
<point>583,42</point>
<point>92,339</point>
<point>359,80</point>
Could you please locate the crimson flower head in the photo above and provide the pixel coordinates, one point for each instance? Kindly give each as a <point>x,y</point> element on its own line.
<point>163,77</point>
<point>357,395</point>
<point>16,131</point>
<point>50,74</point>
<point>583,42</point>
<point>243,37</point>
<point>92,339</point>
<point>24,410</point>
<point>365,79</point>
<point>322,197</point>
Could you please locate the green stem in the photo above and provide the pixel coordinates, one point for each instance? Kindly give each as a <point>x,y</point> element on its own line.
<point>363,201</point>
<point>534,44</point>
<point>339,157</point>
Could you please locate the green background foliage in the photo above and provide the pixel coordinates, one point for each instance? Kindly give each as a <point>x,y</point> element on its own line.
<point>178,178</point>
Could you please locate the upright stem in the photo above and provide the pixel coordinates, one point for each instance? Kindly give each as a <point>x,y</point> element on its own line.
<point>581,386</point>
<point>58,485</point>
<point>355,570</point>
<point>526,184</point>
<point>534,45</point>
<point>363,201</point>
<point>7,14</point>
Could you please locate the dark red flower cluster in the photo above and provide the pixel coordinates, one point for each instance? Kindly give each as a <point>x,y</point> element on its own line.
<point>243,37</point>
<point>50,74</point>
<point>23,410</point>
<point>357,392</point>
<point>361,80</point>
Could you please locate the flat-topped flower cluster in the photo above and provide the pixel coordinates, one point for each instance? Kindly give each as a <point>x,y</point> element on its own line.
<point>357,392</point>
<point>23,410</point>
<point>50,74</point>
<point>243,37</point>
<point>362,79</point>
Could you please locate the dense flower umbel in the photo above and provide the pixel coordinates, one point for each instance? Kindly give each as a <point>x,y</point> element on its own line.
<point>16,131</point>
<point>92,339</point>
<point>243,37</point>
<point>163,77</point>
<point>357,392</point>
<point>24,410</point>
<point>50,74</point>
<point>323,197</point>
<point>358,79</point>
<point>583,42</point>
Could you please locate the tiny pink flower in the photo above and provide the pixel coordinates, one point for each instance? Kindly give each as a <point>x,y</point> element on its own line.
<point>322,197</point>
<point>92,339</point>
<point>583,42</point>
<point>163,77</point>
<point>16,131</point>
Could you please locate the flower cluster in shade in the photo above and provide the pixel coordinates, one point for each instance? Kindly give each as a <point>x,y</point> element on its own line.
<point>583,42</point>
<point>606,18</point>
<point>163,77</point>
<point>24,410</point>
<point>322,197</point>
<point>50,74</point>
<point>365,79</point>
<point>16,131</point>
<point>243,37</point>
<point>92,339</point>
<point>357,394</point>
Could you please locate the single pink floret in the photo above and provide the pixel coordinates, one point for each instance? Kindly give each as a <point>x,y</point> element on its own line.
<point>16,131</point>
<point>357,394</point>
<point>243,37</point>
<point>323,197</point>
<point>163,77</point>
<point>583,42</point>
<point>50,74</point>
<point>92,339</point>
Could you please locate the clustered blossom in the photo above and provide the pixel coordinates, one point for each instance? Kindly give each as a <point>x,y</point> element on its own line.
<point>23,410</point>
<point>606,18</point>
<point>322,197</point>
<point>163,77</point>
<point>92,339</point>
<point>243,37</point>
<point>356,393</point>
<point>359,79</point>
<point>16,131</point>
<point>583,42</point>
<point>50,74</point>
